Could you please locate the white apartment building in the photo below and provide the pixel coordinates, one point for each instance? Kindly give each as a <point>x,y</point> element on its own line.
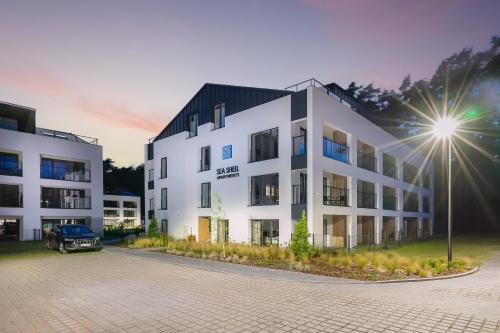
<point>271,154</point>
<point>47,177</point>
<point>122,210</point>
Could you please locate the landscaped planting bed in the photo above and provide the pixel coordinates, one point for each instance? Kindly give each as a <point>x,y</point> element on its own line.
<point>371,266</point>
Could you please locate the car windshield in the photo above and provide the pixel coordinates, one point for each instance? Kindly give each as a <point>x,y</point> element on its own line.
<point>75,229</point>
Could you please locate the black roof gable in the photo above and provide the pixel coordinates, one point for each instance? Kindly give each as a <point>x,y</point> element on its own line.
<point>236,99</point>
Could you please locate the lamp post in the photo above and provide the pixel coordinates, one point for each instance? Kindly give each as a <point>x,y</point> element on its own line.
<point>444,128</point>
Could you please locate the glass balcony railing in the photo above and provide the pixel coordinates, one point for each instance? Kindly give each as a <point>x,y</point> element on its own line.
<point>367,200</point>
<point>66,203</point>
<point>298,194</point>
<point>62,173</point>
<point>335,150</point>
<point>11,168</point>
<point>299,145</point>
<point>367,162</point>
<point>335,196</point>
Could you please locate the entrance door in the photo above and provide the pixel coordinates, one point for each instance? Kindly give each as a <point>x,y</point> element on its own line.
<point>203,229</point>
<point>9,229</point>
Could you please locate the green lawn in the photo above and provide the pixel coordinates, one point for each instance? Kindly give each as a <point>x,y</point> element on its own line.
<point>476,247</point>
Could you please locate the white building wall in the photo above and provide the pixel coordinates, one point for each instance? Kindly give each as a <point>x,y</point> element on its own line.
<point>31,147</point>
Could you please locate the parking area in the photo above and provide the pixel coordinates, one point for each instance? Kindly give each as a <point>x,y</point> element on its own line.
<point>121,290</point>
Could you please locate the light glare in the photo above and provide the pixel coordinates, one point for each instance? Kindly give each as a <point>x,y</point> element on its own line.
<point>444,127</point>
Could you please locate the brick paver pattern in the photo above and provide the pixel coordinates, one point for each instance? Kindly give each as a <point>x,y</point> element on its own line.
<point>109,292</point>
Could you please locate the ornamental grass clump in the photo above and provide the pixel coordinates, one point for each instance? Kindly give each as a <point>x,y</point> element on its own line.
<point>360,261</point>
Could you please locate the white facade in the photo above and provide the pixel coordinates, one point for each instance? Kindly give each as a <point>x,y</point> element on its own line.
<point>122,210</point>
<point>324,114</point>
<point>30,149</point>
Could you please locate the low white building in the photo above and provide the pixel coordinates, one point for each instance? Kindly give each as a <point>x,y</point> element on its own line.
<point>47,177</point>
<point>122,210</point>
<point>271,154</point>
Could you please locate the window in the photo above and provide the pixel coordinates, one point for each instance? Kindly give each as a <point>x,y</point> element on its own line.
<point>205,195</point>
<point>205,158</point>
<point>64,170</point>
<point>389,198</point>
<point>151,175</point>
<point>8,123</point>
<point>264,145</point>
<point>219,116</point>
<point>64,198</point>
<point>111,203</point>
<point>390,166</point>
<point>163,170</point>
<point>151,203</point>
<point>10,165</point>
<point>264,190</point>
<point>410,173</point>
<point>110,213</point>
<point>10,196</point>
<point>410,201</point>
<point>193,125</point>
<point>427,181</point>
<point>220,229</point>
<point>163,198</point>
<point>129,213</point>
<point>164,226</point>
<point>265,232</point>
<point>426,205</point>
<point>367,197</point>
<point>366,157</point>
<point>129,204</point>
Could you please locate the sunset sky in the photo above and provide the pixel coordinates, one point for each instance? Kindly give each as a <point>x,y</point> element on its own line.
<point>120,70</point>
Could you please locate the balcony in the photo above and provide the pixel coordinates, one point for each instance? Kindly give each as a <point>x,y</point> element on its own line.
<point>390,202</point>
<point>68,202</point>
<point>11,199</point>
<point>367,200</point>
<point>66,136</point>
<point>335,196</point>
<point>335,150</point>
<point>367,161</point>
<point>63,173</point>
<point>11,168</point>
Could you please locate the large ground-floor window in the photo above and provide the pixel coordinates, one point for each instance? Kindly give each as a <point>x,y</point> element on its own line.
<point>334,230</point>
<point>9,229</point>
<point>265,232</point>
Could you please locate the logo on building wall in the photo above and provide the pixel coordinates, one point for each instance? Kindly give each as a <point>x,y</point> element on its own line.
<point>228,172</point>
<point>227,152</point>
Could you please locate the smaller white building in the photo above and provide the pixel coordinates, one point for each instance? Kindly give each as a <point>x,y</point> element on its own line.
<point>122,210</point>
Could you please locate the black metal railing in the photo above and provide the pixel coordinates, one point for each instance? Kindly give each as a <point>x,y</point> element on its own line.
<point>390,202</point>
<point>8,168</point>
<point>61,173</point>
<point>66,203</point>
<point>299,145</point>
<point>299,194</point>
<point>367,199</point>
<point>66,136</point>
<point>335,196</point>
<point>367,161</point>
<point>335,150</point>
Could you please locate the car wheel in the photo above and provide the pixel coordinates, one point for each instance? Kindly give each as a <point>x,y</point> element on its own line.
<point>62,250</point>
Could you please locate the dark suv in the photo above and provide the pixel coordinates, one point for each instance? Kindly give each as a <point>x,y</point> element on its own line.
<point>72,237</point>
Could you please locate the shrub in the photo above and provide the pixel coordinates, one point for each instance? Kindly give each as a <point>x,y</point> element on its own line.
<point>153,228</point>
<point>300,238</point>
<point>360,261</point>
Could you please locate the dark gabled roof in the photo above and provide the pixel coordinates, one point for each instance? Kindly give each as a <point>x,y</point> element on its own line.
<point>236,99</point>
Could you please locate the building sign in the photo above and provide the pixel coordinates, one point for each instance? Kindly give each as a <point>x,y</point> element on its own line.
<point>228,172</point>
<point>227,152</point>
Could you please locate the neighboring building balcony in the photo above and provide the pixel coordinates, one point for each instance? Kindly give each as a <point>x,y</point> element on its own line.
<point>68,202</point>
<point>367,200</point>
<point>335,150</point>
<point>367,161</point>
<point>8,168</point>
<point>111,213</point>
<point>63,173</point>
<point>390,202</point>
<point>335,196</point>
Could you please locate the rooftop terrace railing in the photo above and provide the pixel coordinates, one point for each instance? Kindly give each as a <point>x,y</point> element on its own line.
<point>332,90</point>
<point>66,136</point>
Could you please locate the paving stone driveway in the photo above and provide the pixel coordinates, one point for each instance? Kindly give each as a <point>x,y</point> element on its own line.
<point>119,290</point>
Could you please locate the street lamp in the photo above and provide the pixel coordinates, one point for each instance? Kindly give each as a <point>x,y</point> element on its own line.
<point>443,129</point>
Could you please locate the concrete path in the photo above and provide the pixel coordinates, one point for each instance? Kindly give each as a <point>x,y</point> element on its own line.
<point>121,290</point>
